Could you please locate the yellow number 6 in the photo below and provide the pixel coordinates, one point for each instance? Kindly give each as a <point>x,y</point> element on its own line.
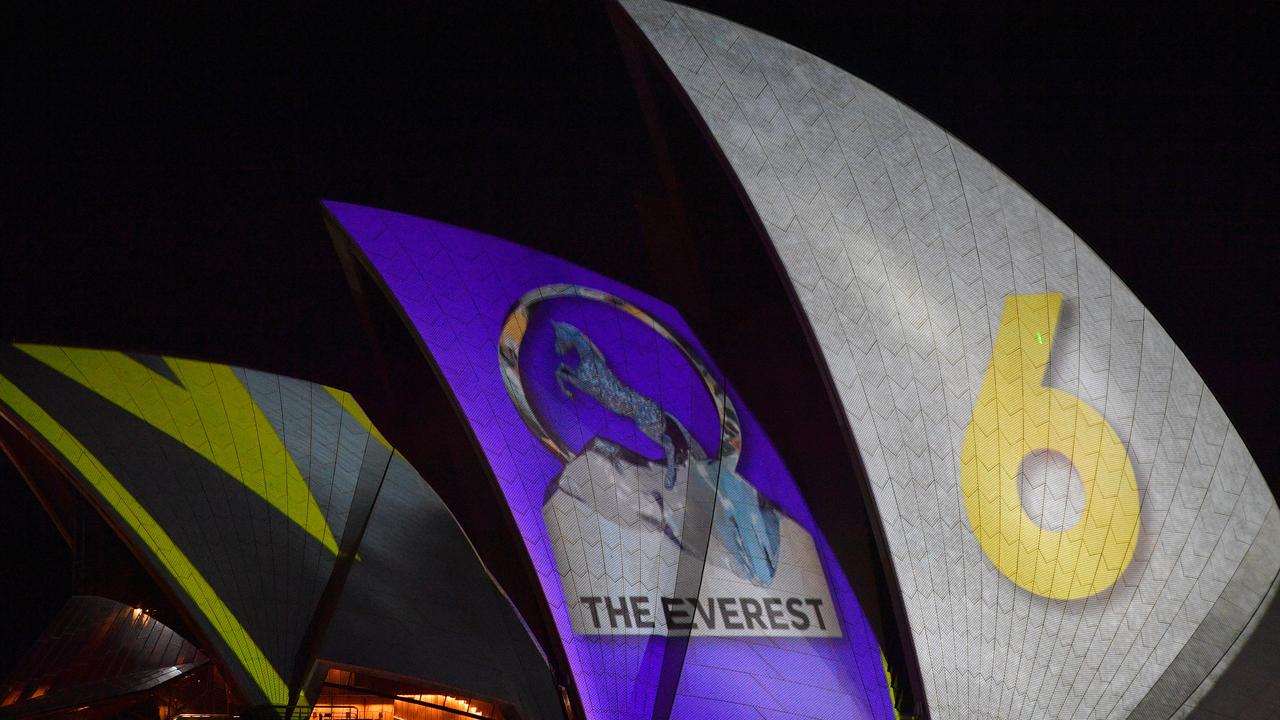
<point>1016,415</point>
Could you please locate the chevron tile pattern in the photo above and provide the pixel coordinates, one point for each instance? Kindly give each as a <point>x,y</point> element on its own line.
<point>903,245</point>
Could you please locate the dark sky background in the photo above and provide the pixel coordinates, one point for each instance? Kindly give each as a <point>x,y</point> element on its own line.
<point>164,166</point>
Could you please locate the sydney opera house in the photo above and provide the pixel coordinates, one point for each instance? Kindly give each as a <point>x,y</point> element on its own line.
<point>540,487</point>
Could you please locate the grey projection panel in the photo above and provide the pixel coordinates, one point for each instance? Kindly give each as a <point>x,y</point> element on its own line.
<point>902,245</point>
<point>419,604</point>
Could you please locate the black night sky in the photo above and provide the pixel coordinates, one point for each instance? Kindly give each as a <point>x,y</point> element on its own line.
<point>164,164</point>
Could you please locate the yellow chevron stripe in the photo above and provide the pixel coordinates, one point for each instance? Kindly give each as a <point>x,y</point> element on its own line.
<point>132,513</point>
<point>353,409</point>
<point>211,412</point>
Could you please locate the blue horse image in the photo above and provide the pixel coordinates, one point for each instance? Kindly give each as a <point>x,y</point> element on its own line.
<point>746,521</point>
